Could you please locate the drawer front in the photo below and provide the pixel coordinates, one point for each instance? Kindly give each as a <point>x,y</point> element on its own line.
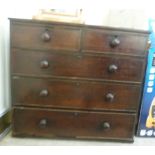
<point>86,66</point>
<point>53,123</point>
<point>115,42</point>
<point>75,94</point>
<point>45,37</point>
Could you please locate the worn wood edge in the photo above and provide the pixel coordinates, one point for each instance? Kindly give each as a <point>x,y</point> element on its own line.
<point>18,75</point>
<point>18,104</point>
<point>81,52</point>
<point>5,122</point>
<point>90,111</point>
<point>16,20</point>
<point>83,138</point>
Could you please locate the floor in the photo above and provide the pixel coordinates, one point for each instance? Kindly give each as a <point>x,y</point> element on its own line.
<point>8,140</point>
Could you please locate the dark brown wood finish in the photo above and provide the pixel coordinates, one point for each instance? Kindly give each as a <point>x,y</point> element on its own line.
<point>45,37</point>
<point>74,80</point>
<point>85,66</point>
<point>75,94</point>
<point>75,124</point>
<point>114,41</point>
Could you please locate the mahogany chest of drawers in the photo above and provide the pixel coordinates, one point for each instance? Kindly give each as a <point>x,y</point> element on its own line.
<point>76,81</point>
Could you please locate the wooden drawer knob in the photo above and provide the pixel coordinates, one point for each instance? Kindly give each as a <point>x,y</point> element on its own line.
<point>46,36</point>
<point>105,125</point>
<point>109,97</point>
<point>43,123</point>
<point>114,42</point>
<point>44,64</point>
<point>112,68</point>
<point>43,93</point>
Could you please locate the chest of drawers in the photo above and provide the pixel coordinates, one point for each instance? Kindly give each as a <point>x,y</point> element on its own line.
<point>76,81</point>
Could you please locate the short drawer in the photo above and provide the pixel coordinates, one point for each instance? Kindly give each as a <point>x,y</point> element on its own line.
<point>73,124</point>
<point>83,66</point>
<point>46,37</point>
<point>75,94</point>
<point>113,41</point>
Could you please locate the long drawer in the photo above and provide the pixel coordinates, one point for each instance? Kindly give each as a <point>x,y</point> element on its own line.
<point>84,66</point>
<point>47,37</point>
<point>75,94</point>
<point>114,41</point>
<point>79,124</point>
